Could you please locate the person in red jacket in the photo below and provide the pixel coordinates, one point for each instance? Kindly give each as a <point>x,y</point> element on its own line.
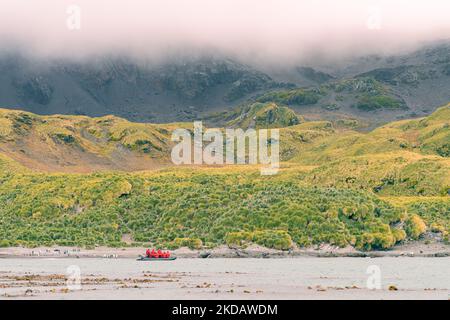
<point>157,254</point>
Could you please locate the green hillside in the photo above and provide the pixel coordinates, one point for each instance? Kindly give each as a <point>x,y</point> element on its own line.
<point>83,144</point>
<point>362,93</point>
<point>257,115</point>
<point>338,186</point>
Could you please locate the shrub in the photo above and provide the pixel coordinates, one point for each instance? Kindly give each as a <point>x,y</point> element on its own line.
<point>275,239</point>
<point>444,150</point>
<point>191,243</point>
<point>292,97</point>
<point>66,138</point>
<point>436,228</point>
<point>4,243</point>
<point>374,102</point>
<point>399,234</point>
<point>383,241</point>
<point>238,239</point>
<point>376,240</point>
<point>415,226</point>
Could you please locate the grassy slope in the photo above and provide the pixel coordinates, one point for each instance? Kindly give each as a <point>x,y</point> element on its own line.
<point>83,144</point>
<point>335,186</point>
<point>401,158</point>
<point>179,203</point>
<point>364,94</point>
<point>257,115</point>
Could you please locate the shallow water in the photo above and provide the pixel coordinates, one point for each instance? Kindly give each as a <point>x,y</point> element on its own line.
<point>289,278</point>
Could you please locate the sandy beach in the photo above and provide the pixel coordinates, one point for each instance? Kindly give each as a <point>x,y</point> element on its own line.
<point>224,278</point>
<point>411,271</point>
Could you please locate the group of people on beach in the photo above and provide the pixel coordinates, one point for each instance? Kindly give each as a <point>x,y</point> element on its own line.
<point>157,254</point>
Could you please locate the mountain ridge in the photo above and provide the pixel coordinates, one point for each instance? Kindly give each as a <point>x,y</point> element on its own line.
<point>191,88</point>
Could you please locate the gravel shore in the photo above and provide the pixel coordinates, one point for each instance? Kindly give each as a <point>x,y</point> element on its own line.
<point>411,249</point>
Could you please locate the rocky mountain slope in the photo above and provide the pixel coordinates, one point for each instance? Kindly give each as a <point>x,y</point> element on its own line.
<point>138,91</point>
<point>373,89</point>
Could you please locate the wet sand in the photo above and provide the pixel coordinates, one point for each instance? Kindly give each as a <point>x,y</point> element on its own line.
<point>224,278</point>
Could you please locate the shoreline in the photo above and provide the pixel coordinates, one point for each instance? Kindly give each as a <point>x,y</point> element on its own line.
<point>412,249</point>
<point>223,279</point>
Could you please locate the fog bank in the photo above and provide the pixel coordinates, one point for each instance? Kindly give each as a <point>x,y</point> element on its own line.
<point>253,30</point>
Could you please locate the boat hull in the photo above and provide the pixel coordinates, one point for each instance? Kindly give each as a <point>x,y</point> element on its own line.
<point>155,259</point>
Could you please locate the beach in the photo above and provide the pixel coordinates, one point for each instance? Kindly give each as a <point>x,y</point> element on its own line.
<point>225,278</point>
<point>408,249</point>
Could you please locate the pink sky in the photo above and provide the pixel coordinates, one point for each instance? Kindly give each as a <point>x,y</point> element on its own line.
<point>263,29</point>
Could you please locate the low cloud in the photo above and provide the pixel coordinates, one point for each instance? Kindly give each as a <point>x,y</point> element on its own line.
<point>254,30</point>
